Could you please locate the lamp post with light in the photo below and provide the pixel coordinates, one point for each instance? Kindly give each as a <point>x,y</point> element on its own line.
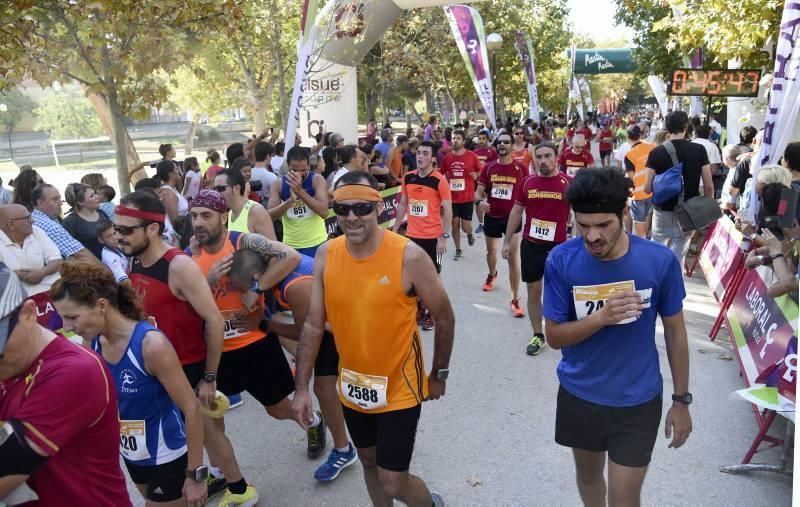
<point>494,42</point>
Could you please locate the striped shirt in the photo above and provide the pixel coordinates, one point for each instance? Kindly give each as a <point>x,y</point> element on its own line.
<point>67,245</point>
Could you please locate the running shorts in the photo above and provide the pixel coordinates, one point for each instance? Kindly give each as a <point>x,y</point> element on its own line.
<point>164,483</point>
<point>496,227</point>
<point>627,433</point>
<point>533,256</point>
<point>393,435</point>
<point>463,210</point>
<point>260,369</point>
<point>327,358</point>
<point>429,245</point>
<point>195,372</point>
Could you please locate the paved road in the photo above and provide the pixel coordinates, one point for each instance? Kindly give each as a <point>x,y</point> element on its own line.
<point>490,440</point>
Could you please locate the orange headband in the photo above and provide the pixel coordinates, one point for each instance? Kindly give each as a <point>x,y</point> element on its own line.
<point>356,191</point>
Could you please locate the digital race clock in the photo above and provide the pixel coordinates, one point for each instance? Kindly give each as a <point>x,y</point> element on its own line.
<point>719,82</point>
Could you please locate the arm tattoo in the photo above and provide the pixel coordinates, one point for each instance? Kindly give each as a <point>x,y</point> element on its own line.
<point>262,246</point>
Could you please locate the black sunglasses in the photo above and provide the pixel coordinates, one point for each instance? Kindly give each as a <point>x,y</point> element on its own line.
<point>361,209</point>
<point>504,142</point>
<point>127,230</point>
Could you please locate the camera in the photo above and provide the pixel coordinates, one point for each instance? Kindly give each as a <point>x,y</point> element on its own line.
<point>256,185</point>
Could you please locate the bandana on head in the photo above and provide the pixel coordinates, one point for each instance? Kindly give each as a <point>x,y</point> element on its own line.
<point>210,199</point>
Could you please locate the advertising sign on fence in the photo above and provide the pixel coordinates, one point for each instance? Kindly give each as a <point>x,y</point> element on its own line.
<point>761,326</point>
<point>721,255</point>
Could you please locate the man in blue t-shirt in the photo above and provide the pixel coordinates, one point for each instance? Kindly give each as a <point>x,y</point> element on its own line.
<point>602,294</point>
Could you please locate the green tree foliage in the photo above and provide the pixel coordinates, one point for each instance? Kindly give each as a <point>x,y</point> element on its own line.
<point>651,48</point>
<point>14,105</point>
<point>67,114</point>
<point>727,30</point>
<point>111,47</point>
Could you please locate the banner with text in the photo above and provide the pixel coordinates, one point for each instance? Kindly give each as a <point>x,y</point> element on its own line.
<point>721,256</point>
<point>305,46</point>
<point>467,27</point>
<point>784,96</point>
<point>526,57</point>
<point>659,88</point>
<point>762,326</point>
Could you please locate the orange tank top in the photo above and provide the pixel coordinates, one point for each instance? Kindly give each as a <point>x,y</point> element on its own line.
<point>523,156</point>
<point>374,323</point>
<point>638,157</point>
<point>229,301</point>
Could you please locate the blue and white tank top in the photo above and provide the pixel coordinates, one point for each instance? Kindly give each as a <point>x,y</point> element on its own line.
<point>152,431</point>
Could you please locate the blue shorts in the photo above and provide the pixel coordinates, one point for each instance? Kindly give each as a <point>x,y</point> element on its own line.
<point>309,251</point>
<point>640,210</point>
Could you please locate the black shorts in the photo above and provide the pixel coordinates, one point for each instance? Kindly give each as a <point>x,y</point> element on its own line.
<point>164,483</point>
<point>260,369</point>
<point>391,433</point>
<point>327,362</point>
<point>463,210</point>
<point>429,245</point>
<point>533,256</point>
<point>604,154</point>
<point>627,433</point>
<point>194,372</point>
<point>496,227</point>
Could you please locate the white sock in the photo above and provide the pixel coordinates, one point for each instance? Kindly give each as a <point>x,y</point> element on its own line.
<point>344,449</point>
<point>317,420</point>
<point>216,472</point>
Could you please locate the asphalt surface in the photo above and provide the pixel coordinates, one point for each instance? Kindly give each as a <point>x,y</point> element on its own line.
<point>489,441</point>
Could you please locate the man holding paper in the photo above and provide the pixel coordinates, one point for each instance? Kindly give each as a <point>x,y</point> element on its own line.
<point>601,301</point>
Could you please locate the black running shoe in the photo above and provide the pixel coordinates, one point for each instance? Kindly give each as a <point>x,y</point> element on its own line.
<point>317,438</point>
<point>216,485</point>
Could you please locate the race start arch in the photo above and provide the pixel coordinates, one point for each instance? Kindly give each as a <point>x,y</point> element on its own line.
<point>603,60</point>
<point>345,30</point>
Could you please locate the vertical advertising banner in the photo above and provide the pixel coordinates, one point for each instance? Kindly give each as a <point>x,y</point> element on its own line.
<point>305,44</point>
<point>588,93</point>
<point>526,58</point>
<point>467,27</point>
<point>784,97</point>
<point>329,103</point>
<point>659,88</point>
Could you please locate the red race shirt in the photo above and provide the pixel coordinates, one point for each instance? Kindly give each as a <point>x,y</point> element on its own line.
<point>546,208</point>
<point>570,162</point>
<point>458,170</point>
<point>485,155</point>
<point>68,404</point>
<point>606,145</point>
<point>502,183</point>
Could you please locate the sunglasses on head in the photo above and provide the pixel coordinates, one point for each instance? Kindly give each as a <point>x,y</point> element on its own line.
<point>360,209</point>
<point>127,230</point>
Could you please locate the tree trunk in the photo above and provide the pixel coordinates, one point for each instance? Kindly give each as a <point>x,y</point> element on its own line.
<point>370,102</point>
<point>415,112</point>
<point>278,59</point>
<point>10,148</point>
<point>104,114</point>
<point>450,97</point>
<point>119,137</point>
<point>429,102</point>
<point>256,97</point>
<point>192,133</point>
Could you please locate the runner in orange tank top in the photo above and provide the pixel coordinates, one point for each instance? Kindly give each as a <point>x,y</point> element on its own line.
<point>366,285</point>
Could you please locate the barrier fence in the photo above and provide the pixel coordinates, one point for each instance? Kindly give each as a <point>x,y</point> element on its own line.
<point>762,330</point>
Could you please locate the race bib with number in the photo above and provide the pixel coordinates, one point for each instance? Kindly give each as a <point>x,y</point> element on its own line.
<point>133,440</point>
<point>458,185</point>
<point>502,191</point>
<point>365,391</point>
<point>298,211</point>
<point>418,208</point>
<point>543,230</point>
<point>591,298</point>
<point>232,320</point>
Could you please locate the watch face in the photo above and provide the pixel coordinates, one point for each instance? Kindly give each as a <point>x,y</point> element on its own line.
<point>210,377</point>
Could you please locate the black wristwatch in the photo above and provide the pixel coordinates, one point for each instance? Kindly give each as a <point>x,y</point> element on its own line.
<point>442,373</point>
<point>686,399</point>
<point>210,377</point>
<point>445,235</point>
<point>199,474</point>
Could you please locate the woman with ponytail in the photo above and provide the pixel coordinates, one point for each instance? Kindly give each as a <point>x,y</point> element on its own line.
<point>160,450</point>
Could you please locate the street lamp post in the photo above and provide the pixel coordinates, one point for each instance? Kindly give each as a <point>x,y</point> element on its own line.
<point>494,42</point>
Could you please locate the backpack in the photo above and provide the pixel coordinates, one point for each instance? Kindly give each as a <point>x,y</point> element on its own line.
<point>669,183</point>
<point>696,213</point>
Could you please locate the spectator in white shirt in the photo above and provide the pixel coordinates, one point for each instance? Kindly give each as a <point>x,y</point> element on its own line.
<point>260,172</point>
<point>112,256</point>
<point>277,159</point>
<point>701,137</point>
<point>27,250</point>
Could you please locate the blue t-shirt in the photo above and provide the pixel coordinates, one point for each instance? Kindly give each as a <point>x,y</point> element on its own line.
<point>383,148</point>
<point>617,366</point>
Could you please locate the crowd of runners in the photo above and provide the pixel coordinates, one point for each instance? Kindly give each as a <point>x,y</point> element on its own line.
<point>212,279</point>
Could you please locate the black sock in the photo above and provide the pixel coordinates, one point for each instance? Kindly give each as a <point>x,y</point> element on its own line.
<point>540,335</point>
<point>238,487</point>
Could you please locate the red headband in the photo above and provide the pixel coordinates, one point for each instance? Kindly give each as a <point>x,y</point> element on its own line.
<point>135,213</point>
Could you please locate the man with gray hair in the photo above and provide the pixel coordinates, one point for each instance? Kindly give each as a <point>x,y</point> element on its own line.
<point>27,250</point>
<point>576,157</point>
